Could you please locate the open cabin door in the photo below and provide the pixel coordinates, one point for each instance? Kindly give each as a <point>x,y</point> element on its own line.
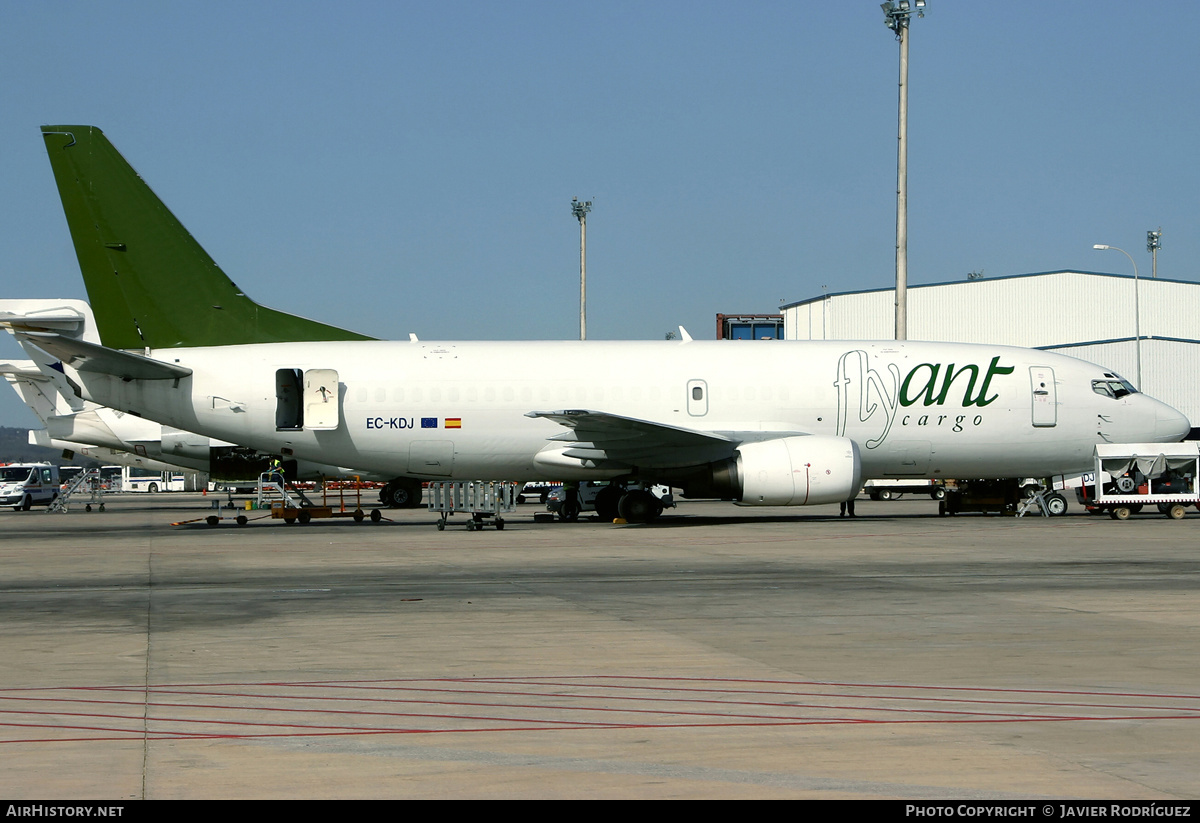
<point>306,399</point>
<point>289,413</point>
<point>321,399</point>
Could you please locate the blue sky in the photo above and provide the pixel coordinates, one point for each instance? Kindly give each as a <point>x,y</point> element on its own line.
<point>399,167</point>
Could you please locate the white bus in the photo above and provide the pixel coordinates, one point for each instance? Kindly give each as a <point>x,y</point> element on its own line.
<point>137,479</point>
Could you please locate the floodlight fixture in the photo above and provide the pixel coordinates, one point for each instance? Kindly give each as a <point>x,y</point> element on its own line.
<point>1153,244</point>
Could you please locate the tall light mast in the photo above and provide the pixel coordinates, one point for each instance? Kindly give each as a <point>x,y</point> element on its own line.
<point>1153,244</point>
<point>580,210</point>
<point>896,15</point>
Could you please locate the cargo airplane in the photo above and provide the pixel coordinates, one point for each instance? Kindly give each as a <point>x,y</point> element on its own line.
<point>764,423</point>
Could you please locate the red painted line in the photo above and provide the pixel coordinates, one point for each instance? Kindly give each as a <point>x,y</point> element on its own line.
<point>973,701</point>
<point>856,685</point>
<point>628,698</point>
<point>538,681</point>
<point>160,736</point>
<point>541,707</point>
<point>578,708</point>
<point>606,678</point>
<point>723,705</point>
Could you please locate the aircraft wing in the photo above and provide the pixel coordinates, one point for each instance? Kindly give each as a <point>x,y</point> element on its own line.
<point>610,440</point>
<point>91,357</point>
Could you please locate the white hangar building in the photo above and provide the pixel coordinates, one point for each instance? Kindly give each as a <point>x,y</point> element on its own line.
<point>1081,314</point>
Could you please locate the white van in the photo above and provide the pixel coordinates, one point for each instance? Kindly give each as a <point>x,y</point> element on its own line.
<point>28,484</point>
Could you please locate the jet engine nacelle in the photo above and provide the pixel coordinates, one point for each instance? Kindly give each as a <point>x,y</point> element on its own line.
<point>799,471</point>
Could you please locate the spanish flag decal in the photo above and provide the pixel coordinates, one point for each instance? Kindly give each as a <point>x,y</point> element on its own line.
<point>453,422</point>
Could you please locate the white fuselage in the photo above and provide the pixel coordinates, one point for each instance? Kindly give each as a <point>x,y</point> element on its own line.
<point>914,409</point>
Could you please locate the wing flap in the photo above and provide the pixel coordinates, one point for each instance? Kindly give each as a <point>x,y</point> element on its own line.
<point>602,440</point>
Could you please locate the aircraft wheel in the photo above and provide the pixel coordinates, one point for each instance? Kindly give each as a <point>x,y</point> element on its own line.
<point>1056,504</point>
<point>569,511</point>
<point>639,506</point>
<point>608,502</point>
<point>401,494</point>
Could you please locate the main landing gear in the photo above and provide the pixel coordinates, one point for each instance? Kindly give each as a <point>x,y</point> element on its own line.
<point>401,493</point>
<point>632,505</point>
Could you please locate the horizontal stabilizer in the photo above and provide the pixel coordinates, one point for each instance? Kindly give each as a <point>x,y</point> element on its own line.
<point>63,318</point>
<point>23,370</point>
<point>90,357</point>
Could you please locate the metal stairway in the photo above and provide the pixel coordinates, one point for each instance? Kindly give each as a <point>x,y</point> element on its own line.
<point>80,482</point>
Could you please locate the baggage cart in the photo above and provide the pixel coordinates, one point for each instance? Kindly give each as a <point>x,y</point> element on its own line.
<point>483,500</point>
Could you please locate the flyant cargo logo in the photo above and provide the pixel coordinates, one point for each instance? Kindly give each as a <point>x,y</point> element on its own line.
<point>868,396</point>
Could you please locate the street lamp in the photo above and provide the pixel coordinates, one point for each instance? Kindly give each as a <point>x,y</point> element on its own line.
<point>580,210</point>
<point>1137,315</point>
<point>896,16</point>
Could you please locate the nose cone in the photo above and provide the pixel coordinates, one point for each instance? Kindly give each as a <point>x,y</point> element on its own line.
<point>1169,425</point>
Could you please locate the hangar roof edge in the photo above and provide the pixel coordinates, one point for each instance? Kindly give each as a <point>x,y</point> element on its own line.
<point>1146,337</point>
<point>912,287</point>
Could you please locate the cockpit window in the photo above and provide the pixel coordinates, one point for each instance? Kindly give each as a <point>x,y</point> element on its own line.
<point>1113,386</point>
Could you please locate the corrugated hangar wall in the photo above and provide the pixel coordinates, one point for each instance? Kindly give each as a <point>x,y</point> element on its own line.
<point>1080,314</point>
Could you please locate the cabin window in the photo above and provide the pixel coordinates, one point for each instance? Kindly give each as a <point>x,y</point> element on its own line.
<point>697,404</point>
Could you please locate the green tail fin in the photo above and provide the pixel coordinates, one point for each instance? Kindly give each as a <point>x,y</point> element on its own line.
<point>150,283</point>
